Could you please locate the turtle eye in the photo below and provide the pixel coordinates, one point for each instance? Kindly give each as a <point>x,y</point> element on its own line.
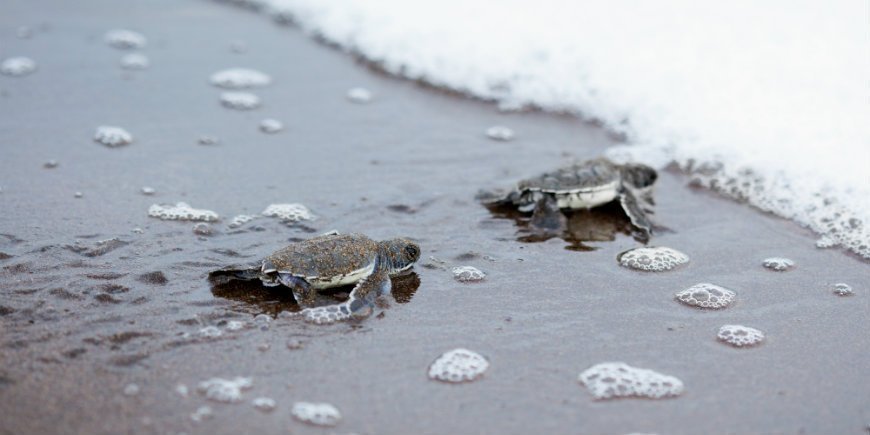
<point>412,251</point>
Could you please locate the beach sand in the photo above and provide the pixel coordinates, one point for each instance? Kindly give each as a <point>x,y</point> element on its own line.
<point>78,325</point>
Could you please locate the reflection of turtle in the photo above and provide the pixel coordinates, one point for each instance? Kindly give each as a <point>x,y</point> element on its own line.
<point>329,261</point>
<point>581,186</point>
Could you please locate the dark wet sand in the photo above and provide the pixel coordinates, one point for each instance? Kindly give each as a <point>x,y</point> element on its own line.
<point>76,329</point>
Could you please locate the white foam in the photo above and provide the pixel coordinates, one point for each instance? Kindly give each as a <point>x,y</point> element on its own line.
<point>210,332</point>
<point>264,404</point>
<point>289,213</point>
<point>706,295</point>
<point>131,390</point>
<point>468,274</point>
<point>842,289</point>
<point>500,133</point>
<point>135,61</point>
<point>320,414</point>
<point>225,390</point>
<point>742,95</point>
<point>241,220</point>
<point>235,325</point>
<point>458,365</point>
<point>240,78</point>
<point>17,66</point>
<point>616,379</point>
<point>271,126</point>
<point>146,190</point>
<point>202,229</point>
<point>359,95</point>
<point>182,390</point>
<point>181,212</point>
<point>740,336</point>
<point>778,264</point>
<point>125,39</point>
<point>240,100</point>
<point>652,259</point>
<point>327,314</point>
<point>202,413</point>
<point>112,137</point>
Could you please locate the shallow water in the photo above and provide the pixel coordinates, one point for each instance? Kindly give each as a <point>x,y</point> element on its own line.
<point>96,295</point>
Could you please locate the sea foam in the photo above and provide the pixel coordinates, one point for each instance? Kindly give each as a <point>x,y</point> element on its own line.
<point>740,95</point>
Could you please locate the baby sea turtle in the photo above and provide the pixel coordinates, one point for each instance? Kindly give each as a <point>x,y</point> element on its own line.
<point>581,186</point>
<point>333,260</point>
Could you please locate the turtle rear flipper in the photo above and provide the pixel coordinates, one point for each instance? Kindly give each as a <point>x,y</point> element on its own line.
<point>635,211</point>
<point>302,291</point>
<point>363,296</point>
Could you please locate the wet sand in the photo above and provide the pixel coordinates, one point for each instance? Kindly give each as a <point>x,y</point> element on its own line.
<point>78,325</point>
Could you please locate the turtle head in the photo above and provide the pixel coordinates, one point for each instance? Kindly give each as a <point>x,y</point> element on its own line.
<point>398,254</point>
<point>639,176</point>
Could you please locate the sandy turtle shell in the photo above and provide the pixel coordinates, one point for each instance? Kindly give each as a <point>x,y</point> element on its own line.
<point>326,261</point>
<point>583,185</point>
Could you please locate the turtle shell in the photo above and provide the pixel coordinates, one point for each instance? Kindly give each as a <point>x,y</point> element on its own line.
<point>581,185</point>
<point>326,261</point>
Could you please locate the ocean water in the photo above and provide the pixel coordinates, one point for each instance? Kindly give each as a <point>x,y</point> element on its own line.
<point>764,102</point>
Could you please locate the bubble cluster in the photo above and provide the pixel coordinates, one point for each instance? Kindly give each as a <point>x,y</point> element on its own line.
<point>135,61</point>
<point>468,274</point>
<point>240,100</point>
<point>112,137</point>
<point>240,78</point>
<point>842,289</point>
<point>224,390</point>
<point>210,332</point>
<point>17,66</point>
<point>652,259</point>
<point>240,220</point>
<point>739,335</point>
<point>706,295</point>
<point>319,414</point>
<point>617,379</point>
<point>202,413</point>
<point>181,212</point>
<point>327,314</point>
<point>289,213</point>
<point>458,365</point>
<point>359,95</point>
<point>500,133</point>
<point>131,390</point>
<point>778,264</point>
<point>271,126</point>
<point>235,325</point>
<point>125,39</point>
<point>264,404</point>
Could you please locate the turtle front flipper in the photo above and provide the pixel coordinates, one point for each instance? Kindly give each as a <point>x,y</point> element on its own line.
<point>635,212</point>
<point>302,291</point>
<point>363,296</point>
<point>547,216</point>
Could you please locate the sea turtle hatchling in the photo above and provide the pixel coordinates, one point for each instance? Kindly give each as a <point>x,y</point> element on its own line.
<point>581,186</point>
<point>333,260</point>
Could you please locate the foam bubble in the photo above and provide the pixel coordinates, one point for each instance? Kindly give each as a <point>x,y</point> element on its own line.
<point>235,325</point>
<point>271,126</point>
<point>125,39</point>
<point>740,336</point>
<point>181,212</point>
<point>652,259</point>
<point>319,414</point>
<point>779,264</point>
<point>17,66</point>
<point>210,332</point>
<point>202,229</point>
<point>842,289</point>
<point>240,220</point>
<point>148,190</point>
<point>359,95</point>
<point>225,390</point>
<point>131,390</point>
<point>264,404</point>
<point>617,379</point>
<point>51,164</point>
<point>135,61</point>
<point>262,321</point>
<point>326,315</point>
<point>289,213</point>
<point>500,133</point>
<point>112,137</point>
<point>458,365</point>
<point>468,274</point>
<point>240,78</point>
<point>182,390</point>
<point>78,195</point>
<point>706,295</point>
<point>202,413</point>
<point>240,100</point>
<point>208,140</point>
